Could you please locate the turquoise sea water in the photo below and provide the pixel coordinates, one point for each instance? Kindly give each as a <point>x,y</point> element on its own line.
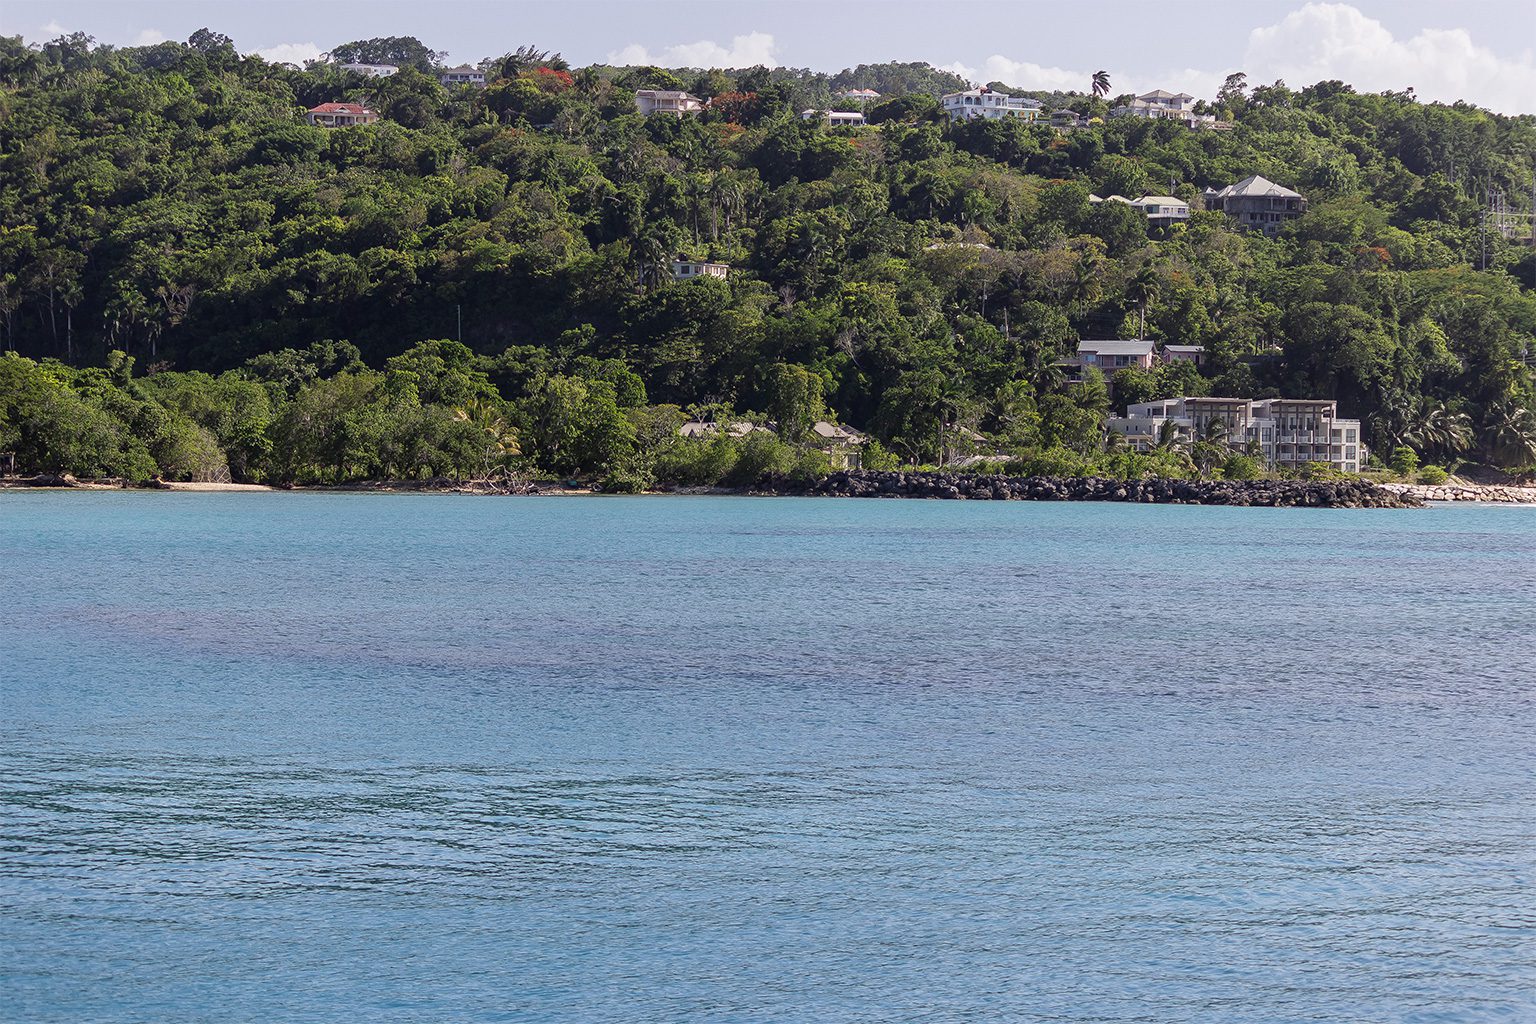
<point>296,757</point>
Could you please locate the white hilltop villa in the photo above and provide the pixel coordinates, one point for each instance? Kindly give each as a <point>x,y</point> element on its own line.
<point>1161,105</point>
<point>987,103</point>
<point>667,101</point>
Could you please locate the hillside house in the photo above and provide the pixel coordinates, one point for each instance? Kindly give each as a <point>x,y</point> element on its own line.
<point>1257,204</point>
<point>1160,105</point>
<point>340,115</point>
<point>1162,211</point>
<point>1127,353</point>
<point>685,269</point>
<point>709,428</point>
<point>984,102</point>
<point>835,118</point>
<point>372,70</point>
<point>1183,354</point>
<point>667,101</point>
<point>463,75</point>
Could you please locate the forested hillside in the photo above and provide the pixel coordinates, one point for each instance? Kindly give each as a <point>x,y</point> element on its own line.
<point>286,300</point>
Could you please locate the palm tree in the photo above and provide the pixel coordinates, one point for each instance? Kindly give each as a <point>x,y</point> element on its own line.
<point>502,443</point>
<point>1434,429</point>
<point>653,259</point>
<point>1510,435</point>
<point>1170,437</point>
<point>1084,288</point>
<point>725,196</point>
<point>1100,84</point>
<point>1143,290</point>
<point>1211,446</point>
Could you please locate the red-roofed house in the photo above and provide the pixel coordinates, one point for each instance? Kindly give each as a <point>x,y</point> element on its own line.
<point>341,115</point>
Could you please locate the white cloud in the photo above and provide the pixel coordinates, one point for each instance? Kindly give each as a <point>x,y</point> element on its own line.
<point>1318,42</point>
<point>1324,41</point>
<point>744,52</point>
<point>1023,74</point>
<point>290,53</point>
<point>53,30</point>
<point>148,37</point>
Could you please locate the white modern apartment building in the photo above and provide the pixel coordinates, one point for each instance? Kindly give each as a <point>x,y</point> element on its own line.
<point>1160,105</point>
<point>983,102</point>
<point>859,95</point>
<point>667,101</point>
<point>835,118</point>
<point>1289,431</point>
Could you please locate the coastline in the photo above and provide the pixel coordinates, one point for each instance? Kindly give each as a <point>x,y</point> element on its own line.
<point>920,485</point>
<point>864,484</point>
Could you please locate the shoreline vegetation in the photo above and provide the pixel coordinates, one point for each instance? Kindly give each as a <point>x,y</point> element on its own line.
<point>900,484</point>
<point>535,279</point>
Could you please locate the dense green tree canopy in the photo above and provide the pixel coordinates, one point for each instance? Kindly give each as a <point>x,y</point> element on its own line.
<point>918,279</point>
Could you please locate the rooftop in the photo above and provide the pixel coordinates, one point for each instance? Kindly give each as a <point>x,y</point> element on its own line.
<point>1117,347</point>
<point>340,108</point>
<point>837,432</point>
<point>1257,185</point>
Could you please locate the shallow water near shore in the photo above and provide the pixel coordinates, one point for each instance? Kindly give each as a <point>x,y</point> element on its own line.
<point>340,757</point>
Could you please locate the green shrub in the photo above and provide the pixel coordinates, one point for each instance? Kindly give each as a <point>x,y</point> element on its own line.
<point>1433,475</point>
<point>1319,471</point>
<point>623,481</point>
<point>1404,460</point>
<point>1054,461</point>
<point>809,466</point>
<point>1242,467</point>
<point>697,463</point>
<point>875,456</point>
<point>759,454</point>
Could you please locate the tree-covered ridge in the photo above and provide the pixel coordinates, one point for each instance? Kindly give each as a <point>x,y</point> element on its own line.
<point>169,202</point>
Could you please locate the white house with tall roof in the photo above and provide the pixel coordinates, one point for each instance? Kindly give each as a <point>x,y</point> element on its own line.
<point>1161,105</point>
<point>990,104</point>
<point>667,101</point>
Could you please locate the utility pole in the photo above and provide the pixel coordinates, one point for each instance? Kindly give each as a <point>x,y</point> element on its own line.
<point>459,312</point>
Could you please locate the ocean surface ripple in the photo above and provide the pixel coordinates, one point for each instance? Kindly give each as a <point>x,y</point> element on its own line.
<point>310,757</point>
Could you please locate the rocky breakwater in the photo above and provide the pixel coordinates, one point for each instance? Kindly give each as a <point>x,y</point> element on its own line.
<point>1259,493</point>
<point>1503,494</point>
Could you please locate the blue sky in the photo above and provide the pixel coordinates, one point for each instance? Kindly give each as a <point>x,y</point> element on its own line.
<point>1478,50</point>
